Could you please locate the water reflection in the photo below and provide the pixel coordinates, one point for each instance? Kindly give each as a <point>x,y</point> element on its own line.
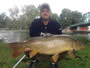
<point>13,36</point>
<point>89,36</point>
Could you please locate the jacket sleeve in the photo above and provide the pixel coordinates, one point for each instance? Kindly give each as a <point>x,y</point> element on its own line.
<point>33,29</point>
<point>58,29</point>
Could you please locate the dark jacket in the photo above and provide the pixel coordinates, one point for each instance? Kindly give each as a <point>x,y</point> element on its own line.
<point>37,27</point>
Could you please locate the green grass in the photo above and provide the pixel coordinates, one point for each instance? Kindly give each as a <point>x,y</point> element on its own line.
<point>7,61</point>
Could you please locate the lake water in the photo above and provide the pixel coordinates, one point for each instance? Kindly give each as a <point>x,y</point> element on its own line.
<point>19,36</point>
<point>13,36</point>
<point>89,36</point>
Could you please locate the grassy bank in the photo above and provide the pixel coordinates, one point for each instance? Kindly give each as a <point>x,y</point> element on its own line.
<point>6,60</point>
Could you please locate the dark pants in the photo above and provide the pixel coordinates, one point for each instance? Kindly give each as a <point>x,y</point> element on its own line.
<point>34,62</point>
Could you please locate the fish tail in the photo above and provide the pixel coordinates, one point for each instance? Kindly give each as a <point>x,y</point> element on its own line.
<point>17,49</point>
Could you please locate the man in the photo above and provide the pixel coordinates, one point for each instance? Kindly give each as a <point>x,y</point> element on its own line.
<point>44,25</point>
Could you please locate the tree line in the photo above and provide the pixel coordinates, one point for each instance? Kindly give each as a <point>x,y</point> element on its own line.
<point>21,20</point>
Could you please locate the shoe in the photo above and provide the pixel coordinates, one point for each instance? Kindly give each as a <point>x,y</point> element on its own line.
<point>33,63</point>
<point>53,65</point>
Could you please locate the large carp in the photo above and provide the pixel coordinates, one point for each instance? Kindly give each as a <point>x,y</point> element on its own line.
<point>50,45</point>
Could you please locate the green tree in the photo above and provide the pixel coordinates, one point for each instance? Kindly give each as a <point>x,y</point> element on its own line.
<point>55,16</point>
<point>65,18</point>
<point>3,20</point>
<point>68,17</point>
<point>76,17</point>
<point>23,20</point>
<point>14,12</point>
<point>14,15</point>
<point>30,12</point>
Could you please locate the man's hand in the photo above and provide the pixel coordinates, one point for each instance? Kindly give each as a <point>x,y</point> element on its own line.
<point>27,50</point>
<point>45,34</point>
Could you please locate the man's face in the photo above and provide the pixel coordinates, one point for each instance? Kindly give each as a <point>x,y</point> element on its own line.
<point>45,14</point>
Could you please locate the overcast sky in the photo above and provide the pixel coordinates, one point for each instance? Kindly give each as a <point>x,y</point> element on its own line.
<point>56,5</point>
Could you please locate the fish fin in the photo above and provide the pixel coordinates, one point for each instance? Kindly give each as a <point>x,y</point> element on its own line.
<point>72,53</point>
<point>17,49</point>
<point>55,58</point>
<point>32,53</point>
